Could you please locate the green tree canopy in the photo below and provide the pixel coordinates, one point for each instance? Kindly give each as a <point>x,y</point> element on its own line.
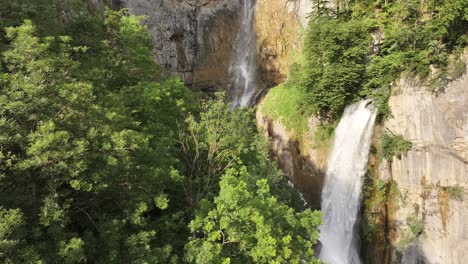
<point>247,224</point>
<point>104,159</point>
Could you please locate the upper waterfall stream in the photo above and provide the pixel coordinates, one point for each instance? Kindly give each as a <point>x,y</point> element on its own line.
<point>242,70</point>
<point>341,196</point>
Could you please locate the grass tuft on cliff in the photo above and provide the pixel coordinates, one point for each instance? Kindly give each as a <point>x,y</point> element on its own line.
<point>281,104</point>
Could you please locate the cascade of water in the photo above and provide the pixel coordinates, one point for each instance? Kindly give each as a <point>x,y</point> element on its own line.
<point>242,71</point>
<point>341,196</point>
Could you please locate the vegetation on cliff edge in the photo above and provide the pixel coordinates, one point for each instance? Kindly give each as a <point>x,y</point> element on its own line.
<point>360,49</point>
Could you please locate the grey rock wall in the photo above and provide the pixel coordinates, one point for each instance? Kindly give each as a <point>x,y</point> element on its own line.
<point>192,38</point>
<point>427,176</point>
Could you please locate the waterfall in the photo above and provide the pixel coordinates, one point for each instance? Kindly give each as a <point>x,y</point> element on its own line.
<point>341,196</point>
<point>242,71</point>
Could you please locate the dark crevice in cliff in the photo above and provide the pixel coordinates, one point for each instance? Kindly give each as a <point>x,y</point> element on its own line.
<point>386,216</point>
<point>378,207</point>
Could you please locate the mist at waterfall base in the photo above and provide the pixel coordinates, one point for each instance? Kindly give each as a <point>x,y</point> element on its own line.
<point>341,195</point>
<point>242,71</point>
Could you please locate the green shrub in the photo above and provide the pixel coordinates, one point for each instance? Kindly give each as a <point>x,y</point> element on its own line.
<point>455,192</point>
<point>415,224</point>
<point>394,145</point>
<point>456,69</point>
<point>370,229</point>
<point>336,52</point>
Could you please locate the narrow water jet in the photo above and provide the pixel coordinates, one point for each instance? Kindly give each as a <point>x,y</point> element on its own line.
<point>341,196</point>
<point>242,71</point>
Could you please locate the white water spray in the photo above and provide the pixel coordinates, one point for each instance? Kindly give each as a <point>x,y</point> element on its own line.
<point>341,196</point>
<point>242,72</point>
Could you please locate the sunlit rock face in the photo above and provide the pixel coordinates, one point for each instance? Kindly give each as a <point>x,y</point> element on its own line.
<point>280,25</point>
<point>430,174</point>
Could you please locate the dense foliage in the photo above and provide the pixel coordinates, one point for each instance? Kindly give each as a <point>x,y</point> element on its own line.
<point>359,48</point>
<point>335,58</point>
<point>105,160</point>
<point>252,225</point>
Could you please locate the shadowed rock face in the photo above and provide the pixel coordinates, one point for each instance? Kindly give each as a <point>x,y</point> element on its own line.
<point>192,38</point>
<point>303,163</point>
<point>211,67</point>
<point>95,4</point>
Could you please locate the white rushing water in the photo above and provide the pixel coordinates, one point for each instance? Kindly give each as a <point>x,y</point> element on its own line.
<point>242,71</point>
<point>341,196</point>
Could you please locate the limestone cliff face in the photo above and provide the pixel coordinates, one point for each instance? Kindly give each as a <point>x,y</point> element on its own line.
<point>195,38</point>
<point>300,159</point>
<point>280,25</point>
<point>433,174</point>
<point>192,38</point>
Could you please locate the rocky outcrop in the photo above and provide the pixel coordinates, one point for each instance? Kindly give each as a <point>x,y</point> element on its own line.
<point>432,178</point>
<point>420,201</point>
<point>193,39</point>
<point>280,25</point>
<point>300,159</point>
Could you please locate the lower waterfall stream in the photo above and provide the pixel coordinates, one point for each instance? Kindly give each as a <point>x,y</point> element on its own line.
<point>341,196</point>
